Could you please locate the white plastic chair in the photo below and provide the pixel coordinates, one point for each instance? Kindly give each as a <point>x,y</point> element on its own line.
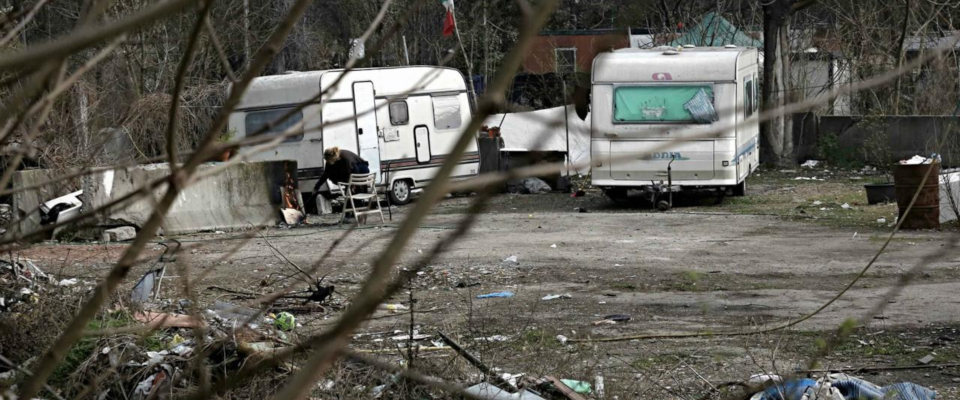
<point>371,197</point>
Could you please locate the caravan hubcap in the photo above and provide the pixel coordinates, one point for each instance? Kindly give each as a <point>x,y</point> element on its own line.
<point>401,190</point>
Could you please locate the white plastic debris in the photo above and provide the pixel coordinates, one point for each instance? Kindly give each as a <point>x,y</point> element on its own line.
<point>494,338</point>
<point>67,282</point>
<point>511,259</point>
<point>817,203</point>
<point>553,246</point>
<point>562,339</point>
<point>556,296</point>
<point>881,220</point>
<point>846,206</point>
<point>810,164</point>
<point>915,160</point>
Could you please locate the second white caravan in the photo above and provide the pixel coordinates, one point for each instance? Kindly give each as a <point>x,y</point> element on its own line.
<point>657,104</point>
<point>404,121</point>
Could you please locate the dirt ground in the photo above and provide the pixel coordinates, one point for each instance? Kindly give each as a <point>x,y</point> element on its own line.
<point>738,266</point>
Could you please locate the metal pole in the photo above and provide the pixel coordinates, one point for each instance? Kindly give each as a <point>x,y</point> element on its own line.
<point>406,53</point>
<point>566,124</point>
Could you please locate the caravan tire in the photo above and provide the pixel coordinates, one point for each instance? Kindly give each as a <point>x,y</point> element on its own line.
<point>400,192</point>
<point>740,189</point>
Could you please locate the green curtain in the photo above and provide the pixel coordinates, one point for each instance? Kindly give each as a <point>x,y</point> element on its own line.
<point>656,103</point>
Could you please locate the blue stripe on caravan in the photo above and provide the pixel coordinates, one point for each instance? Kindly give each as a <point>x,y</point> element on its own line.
<point>746,149</point>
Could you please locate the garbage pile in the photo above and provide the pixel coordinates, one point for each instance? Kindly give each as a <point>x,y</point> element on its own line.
<point>835,387</point>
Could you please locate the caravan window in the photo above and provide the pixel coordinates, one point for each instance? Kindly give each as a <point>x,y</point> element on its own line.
<point>749,97</point>
<point>649,104</point>
<point>756,96</point>
<point>446,112</point>
<point>257,120</point>
<point>398,113</point>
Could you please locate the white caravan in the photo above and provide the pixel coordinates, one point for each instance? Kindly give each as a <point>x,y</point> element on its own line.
<point>664,100</point>
<point>419,113</point>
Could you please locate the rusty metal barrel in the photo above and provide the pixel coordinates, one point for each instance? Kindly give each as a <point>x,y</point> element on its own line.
<point>925,213</point>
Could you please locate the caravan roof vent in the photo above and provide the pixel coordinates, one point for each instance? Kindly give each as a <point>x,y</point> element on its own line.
<point>689,46</point>
<point>730,46</point>
<point>671,53</point>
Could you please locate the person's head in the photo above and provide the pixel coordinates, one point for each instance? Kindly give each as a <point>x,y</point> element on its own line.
<point>331,155</point>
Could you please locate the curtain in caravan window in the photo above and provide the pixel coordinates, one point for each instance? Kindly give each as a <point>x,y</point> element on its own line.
<point>446,112</point>
<point>665,103</point>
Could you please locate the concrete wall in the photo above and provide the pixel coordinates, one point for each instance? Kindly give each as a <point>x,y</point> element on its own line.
<point>243,195</point>
<point>905,136</point>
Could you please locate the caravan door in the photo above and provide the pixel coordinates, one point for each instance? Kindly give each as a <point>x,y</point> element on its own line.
<point>364,107</point>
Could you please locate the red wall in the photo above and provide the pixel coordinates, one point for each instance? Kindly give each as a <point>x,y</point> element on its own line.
<point>542,59</point>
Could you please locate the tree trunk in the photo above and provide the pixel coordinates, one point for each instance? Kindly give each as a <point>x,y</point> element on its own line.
<point>774,148</point>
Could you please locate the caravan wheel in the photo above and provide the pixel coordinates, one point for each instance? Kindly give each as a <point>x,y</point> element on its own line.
<point>400,192</point>
<point>740,190</point>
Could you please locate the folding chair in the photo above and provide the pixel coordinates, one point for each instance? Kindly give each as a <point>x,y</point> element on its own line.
<point>371,197</point>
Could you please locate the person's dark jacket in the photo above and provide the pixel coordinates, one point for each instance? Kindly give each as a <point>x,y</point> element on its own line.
<point>339,172</point>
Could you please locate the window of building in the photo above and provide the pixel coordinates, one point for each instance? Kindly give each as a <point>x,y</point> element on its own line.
<point>446,112</point>
<point>566,60</point>
<point>271,120</point>
<point>398,113</point>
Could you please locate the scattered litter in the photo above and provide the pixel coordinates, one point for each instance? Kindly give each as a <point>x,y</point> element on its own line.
<point>416,336</point>
<point>578,193</point>
<point>804,178</point>
<point>556,296</point>
<point>393,307</point>
<point>535,185</point>
<point>562,339</point>
<point>817,203</point>
<point>604,322</point>
<point>285,321</point>
<point>598,382</point>
<point>845,206</point>
<point>553,246</point>
<point>495,295</point>
<point>512,259</point>
<point>67,282</point>
<point>494,338</point>
<point>578,386</point>
<point>490,392</point>
<point>881,220</point>
<point>618,317</point>
<point>810,164</point>
<point>292,216</point>
<point>156,320</point>
<point>835,386</point>
<point>926,359</point>
<point>232,312</point>
<point>916,160</point>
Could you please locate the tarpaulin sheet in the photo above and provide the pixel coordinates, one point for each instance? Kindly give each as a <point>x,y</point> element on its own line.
<point>545,130</point>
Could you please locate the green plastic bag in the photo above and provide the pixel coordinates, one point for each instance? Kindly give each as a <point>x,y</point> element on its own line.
<point>577,386</point>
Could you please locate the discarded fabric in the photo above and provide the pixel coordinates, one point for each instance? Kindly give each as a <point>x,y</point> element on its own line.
<point>556,296</point>
<point>535,185</point>
<point>495,295</point>
<point>512,259</point>
<point>810,164</point>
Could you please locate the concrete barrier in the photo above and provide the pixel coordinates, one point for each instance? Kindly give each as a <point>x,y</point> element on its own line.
<point>244,195</point>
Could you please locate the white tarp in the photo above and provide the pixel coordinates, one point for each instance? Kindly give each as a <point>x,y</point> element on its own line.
<point>544,130</point>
